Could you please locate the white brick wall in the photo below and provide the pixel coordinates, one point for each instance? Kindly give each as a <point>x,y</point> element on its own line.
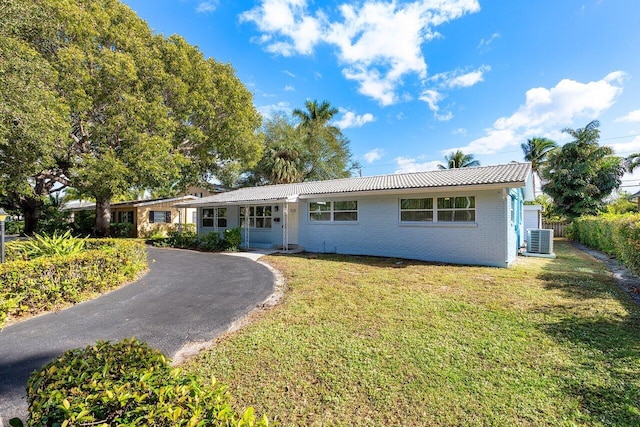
<point>378,232</point>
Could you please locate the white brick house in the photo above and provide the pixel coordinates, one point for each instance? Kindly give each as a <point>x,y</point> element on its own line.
<point>462,216</point>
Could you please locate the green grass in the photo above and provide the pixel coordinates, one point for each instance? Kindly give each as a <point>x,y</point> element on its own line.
<point>363,341</point>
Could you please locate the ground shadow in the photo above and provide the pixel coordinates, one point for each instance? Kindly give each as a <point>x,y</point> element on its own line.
<point>599,340</point>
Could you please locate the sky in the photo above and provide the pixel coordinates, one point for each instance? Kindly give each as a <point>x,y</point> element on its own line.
<point>416,80</point>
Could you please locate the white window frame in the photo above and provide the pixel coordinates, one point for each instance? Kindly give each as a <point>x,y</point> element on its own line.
<point>218,218</point>
<point>470,207</point>
<point>331,212</point>
<point>425,210</point>
<point>258,222</point>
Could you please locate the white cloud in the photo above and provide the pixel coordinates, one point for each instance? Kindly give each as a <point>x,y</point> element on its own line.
<point>547,110</point>
<point>373,155</point>
<point>433,98</point>
<point>407,164</point>
<point>459,131</point>
<point>207,6</point>
<point>459,78</point>
<point>269,110</point>
<point>289,88</point>
<point>626,148</point>
<point>286,26</point>
<point>289,73</point>
<point>378,42</point>
<point>353,120</point>
<point>632,117</point>
<point>483,46</point>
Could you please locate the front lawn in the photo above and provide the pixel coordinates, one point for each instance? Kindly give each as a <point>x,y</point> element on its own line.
<point>367,341</point>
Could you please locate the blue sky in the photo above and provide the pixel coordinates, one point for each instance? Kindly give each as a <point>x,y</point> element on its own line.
<point>415,80</point>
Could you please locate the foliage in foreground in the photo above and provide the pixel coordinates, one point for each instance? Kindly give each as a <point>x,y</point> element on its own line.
<point>367,341</point>
<point>617,235</point>
<point>55,244</point>
<point>31,286</point>
<point>126,383</point>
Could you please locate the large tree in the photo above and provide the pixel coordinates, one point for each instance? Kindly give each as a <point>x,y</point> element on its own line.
<point>302,147</point>
<point>33,115</point>
<point>325,150</point>
<point>144,111</point>
<point>581,174</point>
<point>535,151</point>
<point>458,159</point>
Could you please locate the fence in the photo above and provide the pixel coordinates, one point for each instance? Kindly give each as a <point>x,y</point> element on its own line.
<point>558,227</point>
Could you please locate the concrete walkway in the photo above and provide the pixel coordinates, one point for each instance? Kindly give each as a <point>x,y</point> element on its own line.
<point>186,298</point>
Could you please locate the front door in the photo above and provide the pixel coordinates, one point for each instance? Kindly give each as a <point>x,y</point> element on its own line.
<point>293,223</point>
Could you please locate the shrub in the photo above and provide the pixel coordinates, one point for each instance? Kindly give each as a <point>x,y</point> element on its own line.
<point>233,238</point>
<point>55,244</point>
<point>186,239</point>
<point>31,286</point>
<point>211,242</point>
<point>14,227</point>
<point>617,235</point>
<point>121,229</point>
<point>127,383</point>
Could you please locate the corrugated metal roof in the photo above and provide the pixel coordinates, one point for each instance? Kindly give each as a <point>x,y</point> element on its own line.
<point>512,174</point>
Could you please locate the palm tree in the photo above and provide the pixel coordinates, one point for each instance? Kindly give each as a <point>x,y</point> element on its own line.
<point>536,151</point>
<point>633,161</point>
<point>458,159</point>
<point>325,150</point>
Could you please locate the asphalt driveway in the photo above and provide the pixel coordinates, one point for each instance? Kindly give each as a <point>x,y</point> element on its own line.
<point>187,297</point>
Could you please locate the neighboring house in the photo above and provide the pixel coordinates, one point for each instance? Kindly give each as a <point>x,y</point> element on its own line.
<point>209,190</point>
<point>146,215</point>
<point>464,216</point>
<point>532,217</point>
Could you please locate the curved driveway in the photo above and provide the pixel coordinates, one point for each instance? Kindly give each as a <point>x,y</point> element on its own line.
<point>186,297</point>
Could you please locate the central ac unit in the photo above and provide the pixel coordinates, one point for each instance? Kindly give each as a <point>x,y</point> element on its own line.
<point>540,241</point>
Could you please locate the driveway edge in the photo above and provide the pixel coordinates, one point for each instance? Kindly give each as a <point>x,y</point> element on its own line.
<point>192,349</point>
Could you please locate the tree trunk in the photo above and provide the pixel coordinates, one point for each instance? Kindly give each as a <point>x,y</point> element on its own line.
<point>103,218</point>
<point>31,209</point>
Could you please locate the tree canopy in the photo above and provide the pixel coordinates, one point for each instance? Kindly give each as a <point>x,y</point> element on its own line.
<point>303,147</point>
<point>458,159</point>
<point>114,106</point>
<point>535,151</point>
<point>582,174</point>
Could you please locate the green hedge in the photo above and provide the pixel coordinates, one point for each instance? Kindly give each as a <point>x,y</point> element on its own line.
<point>617,235</point>
<point>31,286</point>
<point>128,384</point>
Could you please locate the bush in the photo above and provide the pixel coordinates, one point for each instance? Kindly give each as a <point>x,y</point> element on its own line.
<point>14,227</point>
<point>127,383</point>
<point>233,238</point>
<point>56,244</point>
<point>83,222</point>
<point>211,242</point>
<point>120,229</point>
<point>617,235</point>
<point>31,286</point>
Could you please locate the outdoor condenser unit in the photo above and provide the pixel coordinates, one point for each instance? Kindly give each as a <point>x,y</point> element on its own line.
<point>540,241</point>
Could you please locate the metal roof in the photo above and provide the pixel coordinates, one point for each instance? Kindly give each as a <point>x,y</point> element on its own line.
<point>83,206</point>
<point>509,175</point>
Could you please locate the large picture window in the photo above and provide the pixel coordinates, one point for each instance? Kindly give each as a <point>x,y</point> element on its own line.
<point>457,209</point>
<point>212,215</point>
<point>338,211</point>
<point>258,216</point>
<point>442,209</point>
<point>416,210</point>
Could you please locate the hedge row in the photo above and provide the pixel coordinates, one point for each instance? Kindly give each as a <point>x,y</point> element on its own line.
<point>29,287</point>
<point>617,235</point>
<point>126,384</point>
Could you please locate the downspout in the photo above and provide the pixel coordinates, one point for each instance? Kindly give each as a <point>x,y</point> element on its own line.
<point>507,222</point>
<point>285,227</point>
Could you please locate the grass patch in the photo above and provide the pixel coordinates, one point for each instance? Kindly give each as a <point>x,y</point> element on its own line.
<point>364,341</point>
